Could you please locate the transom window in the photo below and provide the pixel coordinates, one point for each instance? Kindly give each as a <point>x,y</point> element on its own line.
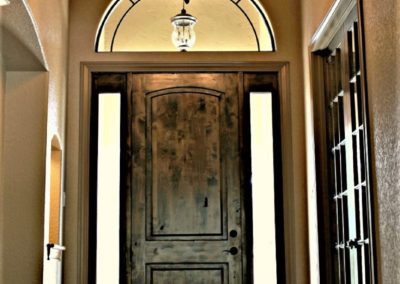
<point>145,25</point>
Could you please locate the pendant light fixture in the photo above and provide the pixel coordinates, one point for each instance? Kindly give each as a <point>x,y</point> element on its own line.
<point>183,35</point>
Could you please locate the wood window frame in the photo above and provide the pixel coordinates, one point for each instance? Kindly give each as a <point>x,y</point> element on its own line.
<point>101,83</point>
<point>326,39</point>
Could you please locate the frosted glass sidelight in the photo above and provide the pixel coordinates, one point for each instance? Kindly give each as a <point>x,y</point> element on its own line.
<point>262,165</point>
<point>108,189</point>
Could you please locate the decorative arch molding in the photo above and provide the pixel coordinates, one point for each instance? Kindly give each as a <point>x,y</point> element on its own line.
<point>22,47</point>
<point>187,90</point>
<point>144,25</point>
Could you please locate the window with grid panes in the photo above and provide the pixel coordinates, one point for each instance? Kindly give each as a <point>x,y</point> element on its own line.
<point>351,242</point>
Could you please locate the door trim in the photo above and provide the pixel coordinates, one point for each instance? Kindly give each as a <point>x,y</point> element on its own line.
<point>282,71</point>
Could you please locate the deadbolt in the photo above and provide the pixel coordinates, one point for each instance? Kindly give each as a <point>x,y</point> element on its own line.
<point>233,234</point>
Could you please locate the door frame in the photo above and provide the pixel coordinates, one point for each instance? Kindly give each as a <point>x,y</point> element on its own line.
<point>329,34</point>
<point>281,69</point>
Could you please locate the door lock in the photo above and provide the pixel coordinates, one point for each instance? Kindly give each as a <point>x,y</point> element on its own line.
<point>232,250</point>
<point>233,233</point>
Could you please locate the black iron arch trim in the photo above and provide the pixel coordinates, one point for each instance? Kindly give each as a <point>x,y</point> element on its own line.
<point>100,31</point>
<point>271,34</point>
<point>251,24</point>
<point>120,22</point>
<point>108,13</point>
<point>186,90</point>
<point>266,22</point>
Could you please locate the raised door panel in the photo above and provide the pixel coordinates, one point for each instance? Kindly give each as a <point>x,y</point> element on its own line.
<point>185,193</point>
<point>189,273</point>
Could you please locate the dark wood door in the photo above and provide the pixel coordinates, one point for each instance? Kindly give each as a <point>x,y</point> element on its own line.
<point>183,195</point>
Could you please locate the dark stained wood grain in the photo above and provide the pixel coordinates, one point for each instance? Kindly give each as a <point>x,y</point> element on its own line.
<point>185,193</point>
<point>188,273</point>
<point>184,133</point>
<point>136,236</point>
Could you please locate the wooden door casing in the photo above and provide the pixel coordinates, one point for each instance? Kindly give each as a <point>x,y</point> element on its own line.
<point>183,193</point>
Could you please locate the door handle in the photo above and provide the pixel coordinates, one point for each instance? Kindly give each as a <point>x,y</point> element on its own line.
<point>232,250</point>
<point>353,244</point>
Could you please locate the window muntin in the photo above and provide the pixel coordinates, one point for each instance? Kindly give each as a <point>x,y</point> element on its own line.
<point>349,185</point>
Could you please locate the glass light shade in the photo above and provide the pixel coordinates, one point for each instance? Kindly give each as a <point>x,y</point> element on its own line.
<point>183,35</point>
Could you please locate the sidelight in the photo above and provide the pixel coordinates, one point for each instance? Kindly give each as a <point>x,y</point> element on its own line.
<point>108,197</point>
<point>262,165</point>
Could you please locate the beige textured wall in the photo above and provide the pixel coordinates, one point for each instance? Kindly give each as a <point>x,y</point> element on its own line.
<point>52,20</point>
<point>2,90</point>
<point>34,108</point>
<point>53,33</point>
<point>382,35</point>
<point>23,196</point>
<point>286,20</point>
<point>313,13</point>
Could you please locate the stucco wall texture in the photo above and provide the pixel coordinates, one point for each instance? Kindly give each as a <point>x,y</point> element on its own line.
<point>32,109</point>
<point>53,33</point>
<point>382,38</point>
<point>313,12</point>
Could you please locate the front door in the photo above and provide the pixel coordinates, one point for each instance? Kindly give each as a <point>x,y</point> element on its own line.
<point>183,190</point>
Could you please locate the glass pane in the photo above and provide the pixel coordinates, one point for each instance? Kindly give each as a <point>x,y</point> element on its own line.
<point>263,188</point>
<point>108,196</point>
<point>144,25</point>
